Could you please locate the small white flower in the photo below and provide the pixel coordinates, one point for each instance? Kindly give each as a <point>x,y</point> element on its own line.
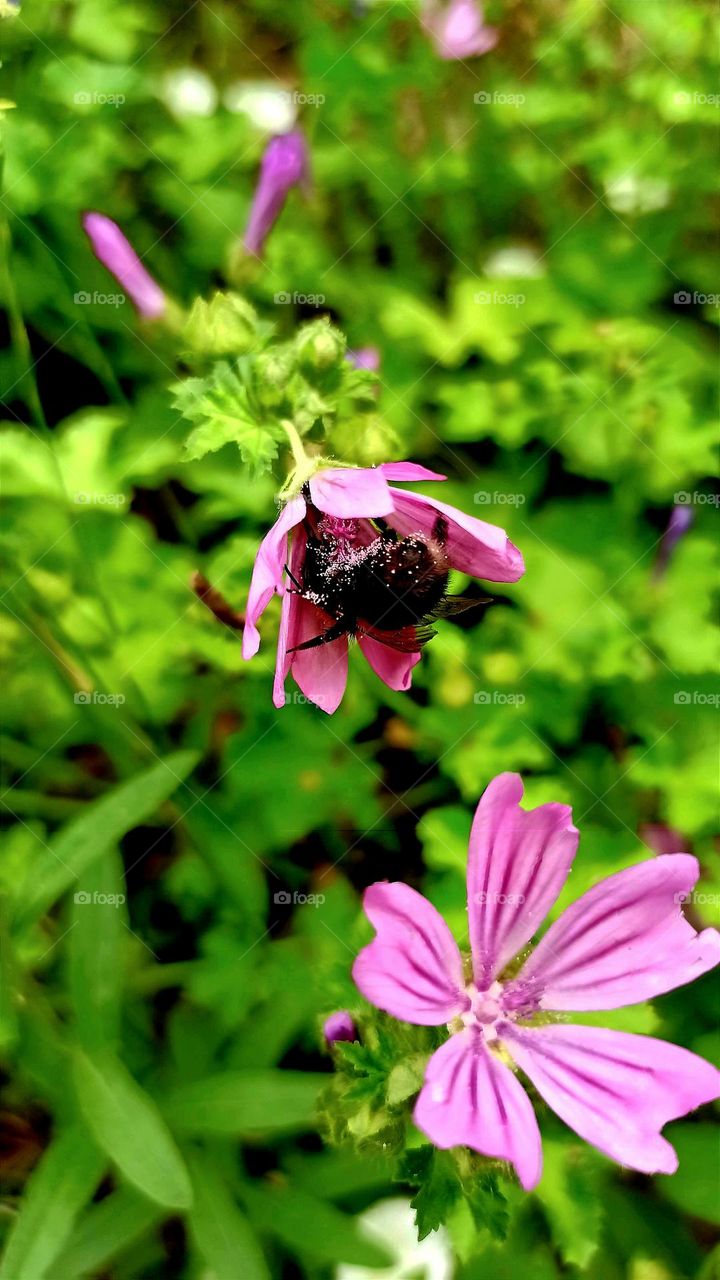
<point>391,1224</point>
<point>189,92</point>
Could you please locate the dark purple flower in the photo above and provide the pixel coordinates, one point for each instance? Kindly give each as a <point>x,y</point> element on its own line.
<point>116,253</point>
<point>339,1026</point>
<point>284,165</point>
<point>680,521</point>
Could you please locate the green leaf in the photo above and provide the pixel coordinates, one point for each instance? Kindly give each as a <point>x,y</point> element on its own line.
<point>246,1103</point>
<point>219,407</point>
<point>221,1232</point>
<point>126,1123</point>
<point>311,1226</point>
<point>95,941</point>
<point>437,1179</point>
<point>569,1194</point>
<point>64,1181</point>
<point>99,828</point>
<point>106,1230</point>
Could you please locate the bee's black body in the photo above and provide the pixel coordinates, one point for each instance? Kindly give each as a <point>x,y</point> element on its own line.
<point>390,588</point>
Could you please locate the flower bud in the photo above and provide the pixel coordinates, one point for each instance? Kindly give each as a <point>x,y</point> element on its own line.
<point>116,253</point>
<point>339,1026</point>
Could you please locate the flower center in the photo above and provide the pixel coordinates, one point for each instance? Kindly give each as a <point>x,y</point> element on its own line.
<point>486,1009</point>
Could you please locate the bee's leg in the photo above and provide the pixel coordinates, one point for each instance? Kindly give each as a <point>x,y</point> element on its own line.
<point>440,531</point>
<point>293,579</point>
<point>335,632</point>
<point>385,530</point>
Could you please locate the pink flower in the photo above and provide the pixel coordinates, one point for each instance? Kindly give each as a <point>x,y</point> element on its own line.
<point>284,165</point>
<point>458,30</point>
<point>624,941</point>
<point>339,1026</point>
<point>328,538</point>
<point>116,253</point>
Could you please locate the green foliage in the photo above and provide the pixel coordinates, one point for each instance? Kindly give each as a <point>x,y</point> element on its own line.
<point>182,865</point>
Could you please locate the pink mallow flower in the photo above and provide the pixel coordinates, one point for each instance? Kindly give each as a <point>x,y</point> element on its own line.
<point>623,942</point>
<point>458,29</point>
<point>328,537</point>
<point>116,253</point>
<point>284,165</point>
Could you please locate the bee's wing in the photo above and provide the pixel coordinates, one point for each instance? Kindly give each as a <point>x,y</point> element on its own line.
<point>402,640</point>
<point>451,605</point>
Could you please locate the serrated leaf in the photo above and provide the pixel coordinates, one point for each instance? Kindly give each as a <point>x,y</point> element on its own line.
<point>127,1125</point>
<point>99,827</point>
<point>64,1181</point>
<point>220,408</point>
<point>439,1186</point>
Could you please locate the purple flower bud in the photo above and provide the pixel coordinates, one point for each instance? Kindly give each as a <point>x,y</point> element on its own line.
<point>284,165</point>
<point>680,521</point>
<point>365,358</point>
<point>458,29</point>
<point>339,1026</point>
<point>117,254</point>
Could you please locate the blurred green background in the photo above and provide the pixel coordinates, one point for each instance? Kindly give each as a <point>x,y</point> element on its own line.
<point>528,239</point>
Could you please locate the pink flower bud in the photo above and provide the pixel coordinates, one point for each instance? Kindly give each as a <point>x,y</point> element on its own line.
<point>116,253</point>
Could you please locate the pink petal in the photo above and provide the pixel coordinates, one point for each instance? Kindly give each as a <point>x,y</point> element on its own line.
<point>471,1099</point>
<point>349,493</point>
<point>624,941</point>
<point>473,546</point>
<point>408,471</point>
<point>615,1089</point>
<point>321,673</point>
<point>267,577</point>
<point>517,865</point>
<point>413,969</point>
<point>395,669</point>
<point>289,620</point>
